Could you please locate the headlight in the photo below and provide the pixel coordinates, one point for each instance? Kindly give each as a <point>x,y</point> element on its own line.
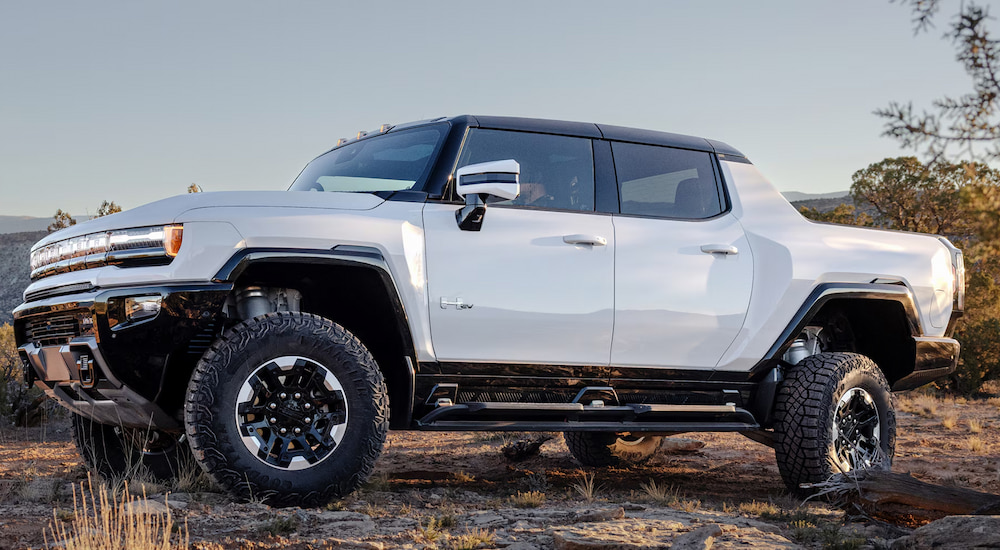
<point>139,246</point>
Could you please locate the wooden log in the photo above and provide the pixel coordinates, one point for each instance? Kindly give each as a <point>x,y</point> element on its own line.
<point>901,498</point>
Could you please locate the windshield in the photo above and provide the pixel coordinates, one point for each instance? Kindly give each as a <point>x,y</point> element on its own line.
<point>391,162</point>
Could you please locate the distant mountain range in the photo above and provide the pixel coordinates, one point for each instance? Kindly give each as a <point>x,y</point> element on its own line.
<point>14,269</point>
<point>23,224</point>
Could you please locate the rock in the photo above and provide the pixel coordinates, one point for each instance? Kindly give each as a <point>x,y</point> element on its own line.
<point>679,445</point>
<point>701,538</point>
<point>486,520</point>
<point>525,448</point>
<point>954,533</point>
<point>622,534</point>
<point>521,546</point>
<point>148,507</point>
<point>607,514</point>
<point>340,524</point>
<point>396,525</point>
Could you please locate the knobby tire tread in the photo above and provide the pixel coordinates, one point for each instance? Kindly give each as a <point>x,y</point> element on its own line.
<point>210,450</point>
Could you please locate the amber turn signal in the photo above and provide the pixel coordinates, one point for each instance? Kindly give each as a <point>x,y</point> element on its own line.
<point>173,235</point>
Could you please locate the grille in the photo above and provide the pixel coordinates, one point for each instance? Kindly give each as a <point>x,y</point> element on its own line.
<point>52,330</point>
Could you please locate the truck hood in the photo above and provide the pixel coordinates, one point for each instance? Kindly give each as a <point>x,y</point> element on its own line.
<point>169,210</point>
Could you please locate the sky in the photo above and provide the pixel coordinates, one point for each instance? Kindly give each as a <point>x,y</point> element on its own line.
<point>134,101</point>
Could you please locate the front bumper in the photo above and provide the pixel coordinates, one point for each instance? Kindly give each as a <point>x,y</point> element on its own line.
<point>81,350</point>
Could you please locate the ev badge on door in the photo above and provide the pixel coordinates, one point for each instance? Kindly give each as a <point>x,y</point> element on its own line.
<point>458,303</point>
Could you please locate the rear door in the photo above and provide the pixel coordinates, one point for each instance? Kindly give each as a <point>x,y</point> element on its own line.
<point>683,267</point>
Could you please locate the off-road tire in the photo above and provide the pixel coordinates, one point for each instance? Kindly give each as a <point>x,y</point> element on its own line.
<point>805,411</point>
<point>611,449</point>
<point>210,409</point>
<point>115,452</point>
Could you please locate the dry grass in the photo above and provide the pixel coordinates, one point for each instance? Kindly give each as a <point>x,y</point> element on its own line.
<point>754,508</point>
<point>530,499</point>
<point>109,521</point>
<point>586,487</point>
<point>993,402</point>
<point>462,477</point>
<point>949,421</point>
<point>926,406</point>
<point>660,494</point>
<point>976,444</point>
<point>975,425</point>
<point>471,539</point>
<point>666,495</point>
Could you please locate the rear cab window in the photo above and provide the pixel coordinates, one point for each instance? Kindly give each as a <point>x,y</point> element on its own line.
<point>666,182</point>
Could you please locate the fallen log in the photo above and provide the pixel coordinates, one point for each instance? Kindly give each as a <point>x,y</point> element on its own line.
<point>901,498</point>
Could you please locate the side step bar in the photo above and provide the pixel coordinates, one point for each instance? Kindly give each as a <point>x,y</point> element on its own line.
<point>566,417</point>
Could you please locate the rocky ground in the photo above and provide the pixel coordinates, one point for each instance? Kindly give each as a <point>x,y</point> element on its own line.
<point>440,490</point>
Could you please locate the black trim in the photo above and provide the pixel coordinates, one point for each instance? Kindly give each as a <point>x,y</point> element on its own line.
<point>74,288</point>
<point>489,177</point>
<point>341,254</point>
<point>815,302</point>
<point>605,180</point>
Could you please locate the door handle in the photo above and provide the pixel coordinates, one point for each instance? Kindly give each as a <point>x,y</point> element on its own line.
<point>726,249</point>
<point>593,240</point>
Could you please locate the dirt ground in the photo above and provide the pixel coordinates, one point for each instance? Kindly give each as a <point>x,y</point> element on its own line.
<point>423,477</point>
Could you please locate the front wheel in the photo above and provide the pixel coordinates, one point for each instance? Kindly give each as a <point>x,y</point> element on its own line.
<point>833,414</point>
<point>611,449</point>
<point>289,408</point>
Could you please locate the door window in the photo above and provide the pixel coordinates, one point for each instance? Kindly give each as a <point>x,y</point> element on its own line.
<point>665,182</point>
<point>557,172</point>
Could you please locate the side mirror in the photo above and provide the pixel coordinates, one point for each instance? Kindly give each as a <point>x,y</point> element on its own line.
<point>477,182</point>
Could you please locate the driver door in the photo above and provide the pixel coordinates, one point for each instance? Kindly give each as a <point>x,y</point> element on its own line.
<point>526,289</point>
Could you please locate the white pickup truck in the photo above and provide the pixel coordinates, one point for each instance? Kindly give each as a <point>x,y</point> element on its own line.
<point>484,273</point>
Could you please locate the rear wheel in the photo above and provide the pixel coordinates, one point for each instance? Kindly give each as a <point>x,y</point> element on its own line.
<point>289,408</point>
<point>116,452</point>
<point>611,449</point>
<point>833,414</point>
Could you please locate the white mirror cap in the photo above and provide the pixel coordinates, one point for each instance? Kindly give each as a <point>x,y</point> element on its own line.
<point>498,178</point>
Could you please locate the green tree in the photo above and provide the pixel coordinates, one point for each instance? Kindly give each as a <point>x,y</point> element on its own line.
<point>967,125</point>
<point>966,128</point>
<point>61,220</point>
<point>909,195</point>
<point>844,214</point>
<point>107,208</point>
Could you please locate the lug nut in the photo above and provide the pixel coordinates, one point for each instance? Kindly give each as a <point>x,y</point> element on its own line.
<point>283,395</point>
<point>297,431</point>
<point>307,419</point>
<point>297,395</point>
<point>283,431</point>
<point>273,406</point>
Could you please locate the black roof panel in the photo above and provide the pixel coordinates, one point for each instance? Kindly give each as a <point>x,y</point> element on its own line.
<point>583,129</point>
<point>598,131</point>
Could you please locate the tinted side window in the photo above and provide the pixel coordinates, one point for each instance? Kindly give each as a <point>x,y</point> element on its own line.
<point>665,182</point>
<point>556,171</point>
